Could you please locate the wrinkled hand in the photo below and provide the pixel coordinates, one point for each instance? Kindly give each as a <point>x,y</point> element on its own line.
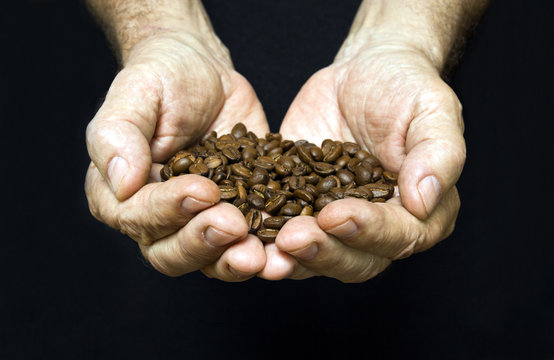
<point>391,100</point>
<point>173,89</point>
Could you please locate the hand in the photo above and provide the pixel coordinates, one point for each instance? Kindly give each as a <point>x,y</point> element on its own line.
<point>174,88</point>
<point>390,99</point>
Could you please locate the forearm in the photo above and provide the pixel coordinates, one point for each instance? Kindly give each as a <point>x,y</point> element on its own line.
<point>436,27</point>
<point>127,22</point>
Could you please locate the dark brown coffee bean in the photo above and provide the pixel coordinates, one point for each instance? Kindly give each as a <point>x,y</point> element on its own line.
<point>199,169</point>
<point>255,201</point>
<point>282,170</point>
<point>273,136</point>
<point>290,209</point>
<point>227,182</point>
<point>301,170</point>
<point>239,169</point>
<point>312,189</point>
<point>323,201</point>
<point>252,136</point>
<point>371,160</point>
<point>274,185</point>
<point>326,146</point>
<point>220,145</point>
<point>361,154</point>
<point>378,200</point>
<point>213,161</point>
<point>272,145</point>
<point>288,194</point>
<point>304,195</point>
<point>253,220</point>
<point>326,184</point>
<point>267,235</point>
<point>323,168</point>
<point>346,177</point>
<point>259,176</point>
<point>275,222</point>
<point>231,153</point>
<point>335,151</point>
<point>342,161</point>
<point>275,203</point>
<point>242,205</point>
<point>350,148</point>
<point>312,178</point>
<point>377,173</point>
<point>239,130</point>
<point>246,142</point>
<point>363,175</point>
<point>304,154</point>
<point>385,191</point>
<point>316,153</point>
<point>166,172</point>
<point>265,162</point>
<point>275,153</point>
<point>212,135</point>
<point>242,193</point>
<point>249,154</point>
<point>227,192</point>
<point>307,210</point>
<point>296,182</point>
<point>390,178</point>
<point>182,165</point>
<point>352,164</point>
<point>337,193</point>
<point>287,144</point>
<point>357,193</point>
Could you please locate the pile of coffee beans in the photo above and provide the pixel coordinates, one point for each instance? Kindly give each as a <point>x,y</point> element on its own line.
<point>282,178</point>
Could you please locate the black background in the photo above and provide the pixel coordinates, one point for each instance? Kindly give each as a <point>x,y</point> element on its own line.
<point>70,287</point>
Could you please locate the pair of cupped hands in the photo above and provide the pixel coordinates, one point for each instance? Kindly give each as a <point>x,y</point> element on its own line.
<point>175,87</point>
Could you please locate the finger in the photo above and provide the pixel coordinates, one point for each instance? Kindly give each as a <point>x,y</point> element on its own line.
<point>156,210</point>
<point>241,261</point>
<point>435,156</point>
<point>318,251</point>
<point>118,136</point>
<point>199,243</point>
<point>388,229</point>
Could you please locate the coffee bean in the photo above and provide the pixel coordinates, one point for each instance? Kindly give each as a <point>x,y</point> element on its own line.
<point>265,162</point>
<point>227,192</point>
<point>323,201</point>
<point>239,130</point>
<point>312,178</point>
<point>182,165</point>
<point>377,173</point>
<point>346,177</point>
<point>363,175</point>
<point>384,191</point>
<point>275,222</point>
<point>256,201</point>
<point>213,161</point>
<point>358,193</point>
<point>296,182</point>
<point>323,168</point>
<point>326,184</point>
<point>253,220</point>
<point>267,235</point>
<point>304,195</point>
<point>350,148</point>
<point>312,189</point>
<point>307,210</point>
<point>275,203</point>
<point>231,153</point>
<point>337,193</point>
<point>335,151</point>
<point>199,169</point>
<point>290,209</point>
<point>390,178</point>
<point>166,172</point>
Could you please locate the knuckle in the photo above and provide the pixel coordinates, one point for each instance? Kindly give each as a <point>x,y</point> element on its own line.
<point>161,265</point>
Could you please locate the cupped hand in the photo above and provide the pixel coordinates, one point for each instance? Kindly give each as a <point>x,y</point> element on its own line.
<point>392,101</point>
<point>174,88</point>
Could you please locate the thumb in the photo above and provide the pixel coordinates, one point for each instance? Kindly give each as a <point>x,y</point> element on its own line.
<point>435,158</point>
<point>118,136</point>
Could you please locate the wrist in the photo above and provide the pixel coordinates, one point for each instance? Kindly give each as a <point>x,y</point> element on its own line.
<point>397,25</point>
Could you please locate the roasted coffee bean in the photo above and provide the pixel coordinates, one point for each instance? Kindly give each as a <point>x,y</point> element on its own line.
<point>265,162</point>
<point>350,148</point>
<point>256,201</point>
<point>358,193</point>
<point>239,130</point>
<point>218,177</point>
<point>242,205</point>
<point>253,220</point>
<point>275,203</point>
<point>252,136</point>
<point>342,161</point>
<point>166,172</point>
<point>312,189</point>
<point>282,170</point>
<point>287,144</point>
<point>361,154</point>
<point>272,145</point>
<point>297,182</point>
<point>352,164</point>
<point>275,222</point>
<point>242,193</point>
<point>326,146</point>
<point>323,168</point>
<point>307,210</point>
<point>304,195</point>
<point>326,184</point>
<point>240,170</point>
<point>267,235</point>
<point>199,169</point>
<point>246,142</point>
<point>290,209</point>
<point>346,177</point>
<point>378,200</point>
<point>227,182</point>
<point>287,194</point>
<point>323,201</point>
<point>337,193</point>
<point>377,173</point>
<point>304,153</point>
<point>363,175</point>
<point>300,170</point>
<point>258,176</point>
<point>227,192</point>
<point>275,153</point>
<point>316,153</point>
<point>249,154</point>
<point>384,190</point>
<point>335,151</point>
<point>312,178</point>
<point>274,185</point>
<point>182,165</point>
<point>231,153</point>
<point>213,161</point>
<point>390,178</point>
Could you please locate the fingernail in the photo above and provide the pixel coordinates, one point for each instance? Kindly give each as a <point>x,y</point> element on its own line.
<point>307,253</point>
<point>215,237</point>
<point>346,230</point>
<point>116,171</point>
<point>430,190</point>
<point>238,274</point>
<point>193,205</point>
